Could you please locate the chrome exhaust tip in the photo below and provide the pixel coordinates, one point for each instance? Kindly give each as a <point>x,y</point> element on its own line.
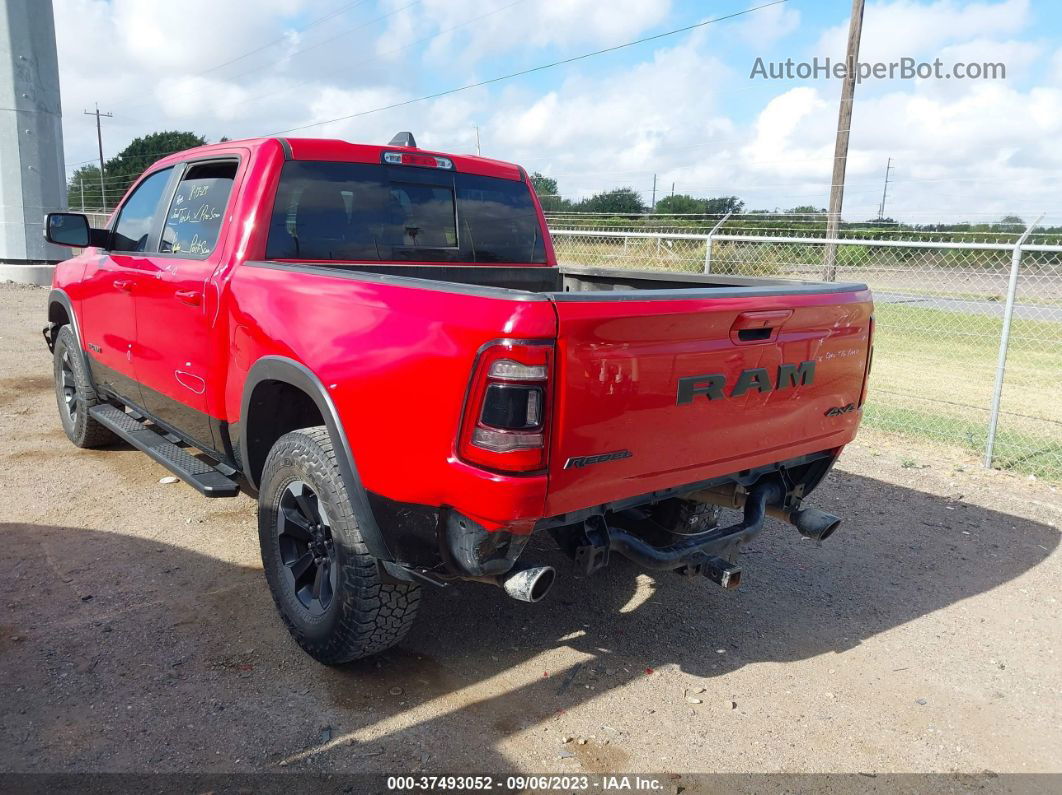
<point>530,584</point>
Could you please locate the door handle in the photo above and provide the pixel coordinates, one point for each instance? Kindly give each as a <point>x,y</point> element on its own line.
<point>125,285</point>
<point>758,326</point>
<point>767,318</point>
<point>190,297</point>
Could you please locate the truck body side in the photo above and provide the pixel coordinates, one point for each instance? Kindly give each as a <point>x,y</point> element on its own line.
<point>387,361</point>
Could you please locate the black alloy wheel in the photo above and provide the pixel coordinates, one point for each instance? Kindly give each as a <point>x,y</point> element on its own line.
<point>68,386</point>
<point>331,592</point>
<point>307,548</point>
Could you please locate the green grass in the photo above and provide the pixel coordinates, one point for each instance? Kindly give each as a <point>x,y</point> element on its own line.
<point>1013,451</point>
<point>934,373</point>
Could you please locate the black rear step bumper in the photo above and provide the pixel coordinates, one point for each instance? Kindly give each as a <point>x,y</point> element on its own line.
<point>696,551</point>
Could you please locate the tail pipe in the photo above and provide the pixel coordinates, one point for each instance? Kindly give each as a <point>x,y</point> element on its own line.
<point>809,522</point>
<point>523,582</point>
<point>813,523</point>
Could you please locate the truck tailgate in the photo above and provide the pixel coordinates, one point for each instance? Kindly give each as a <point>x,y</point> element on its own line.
<point>626,423</point>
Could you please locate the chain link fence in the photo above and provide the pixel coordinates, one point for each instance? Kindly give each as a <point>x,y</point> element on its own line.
<point>968,348</point>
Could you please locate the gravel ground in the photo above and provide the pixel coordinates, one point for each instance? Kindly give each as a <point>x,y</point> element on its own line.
<point>137,634</point>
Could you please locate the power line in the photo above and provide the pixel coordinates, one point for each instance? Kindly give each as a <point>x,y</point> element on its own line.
<point>495,79</point>
<point>534,69</point>
<point>317,44</point>
<point>376,58</point>
<point>342,9</point>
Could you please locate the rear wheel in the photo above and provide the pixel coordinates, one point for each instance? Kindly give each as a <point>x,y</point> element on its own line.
<point>326,585</point>
<point>74,393</point>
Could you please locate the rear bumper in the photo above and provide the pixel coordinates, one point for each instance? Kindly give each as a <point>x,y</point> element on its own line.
<point>815,466</point>
<point>448,542</point>
<point>616,491</point>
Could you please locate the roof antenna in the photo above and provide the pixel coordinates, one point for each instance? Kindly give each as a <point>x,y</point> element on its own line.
<point>403,139</point>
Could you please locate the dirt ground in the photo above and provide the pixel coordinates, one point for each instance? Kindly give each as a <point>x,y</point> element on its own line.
<point>137,633</point>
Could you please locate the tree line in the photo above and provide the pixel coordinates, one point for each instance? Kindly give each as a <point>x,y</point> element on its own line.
<point>624,207</point>
<point>616,207</point>
<point>83,189</point>
<point>627,201</point>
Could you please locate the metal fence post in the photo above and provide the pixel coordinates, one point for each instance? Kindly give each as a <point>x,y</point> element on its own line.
<point>1004,343</point>
<point>708,243</point>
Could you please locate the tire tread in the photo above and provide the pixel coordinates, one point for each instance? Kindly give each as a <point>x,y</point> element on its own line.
<point>86,432</point>
<point>374,615</point>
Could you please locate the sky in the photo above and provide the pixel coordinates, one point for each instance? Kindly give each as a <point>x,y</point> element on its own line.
<point>684,107</point>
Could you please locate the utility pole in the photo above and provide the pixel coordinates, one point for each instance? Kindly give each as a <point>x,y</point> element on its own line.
<point>81,184</point>
<point>840,149</point>
<point>477,141</point>
<point>99,140</point>
<point>654,194</point>
<point>672,190</point>
<point>884,190</point>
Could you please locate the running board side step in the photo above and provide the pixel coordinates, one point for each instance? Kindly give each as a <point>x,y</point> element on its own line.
<point>204,478</point>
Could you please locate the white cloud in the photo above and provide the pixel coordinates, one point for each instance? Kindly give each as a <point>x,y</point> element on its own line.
<point>963,147</point>
<point>892,30</point>
<point>471,30</point>
<point>764,28</point>
<point>984,152</point>
<point>782,131</point>
<point>1056,67</point>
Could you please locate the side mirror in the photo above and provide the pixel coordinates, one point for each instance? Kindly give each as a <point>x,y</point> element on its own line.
<point>67,229</point>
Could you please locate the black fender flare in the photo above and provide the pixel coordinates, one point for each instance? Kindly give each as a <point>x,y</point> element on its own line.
<point>296,374</point>
<point>58,296</point>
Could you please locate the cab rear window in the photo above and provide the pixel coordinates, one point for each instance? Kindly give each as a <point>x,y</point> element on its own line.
<point>359,212</point>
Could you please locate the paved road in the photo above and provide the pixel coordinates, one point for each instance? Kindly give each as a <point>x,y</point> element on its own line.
<point>1051,314</point>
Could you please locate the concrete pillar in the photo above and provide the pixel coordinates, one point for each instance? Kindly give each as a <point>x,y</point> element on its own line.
<point>32,175</point>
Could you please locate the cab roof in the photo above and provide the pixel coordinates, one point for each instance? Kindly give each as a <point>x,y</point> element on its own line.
<point>335,150</point>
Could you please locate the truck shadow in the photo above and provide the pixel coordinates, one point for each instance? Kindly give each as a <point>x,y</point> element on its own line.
<point>197,642</point>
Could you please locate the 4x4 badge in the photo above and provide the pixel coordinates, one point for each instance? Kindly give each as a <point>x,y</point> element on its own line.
<point>837,411</point>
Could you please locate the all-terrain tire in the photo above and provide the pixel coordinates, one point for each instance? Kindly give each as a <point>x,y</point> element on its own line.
<point>363,615</point>
<point>75,395</point>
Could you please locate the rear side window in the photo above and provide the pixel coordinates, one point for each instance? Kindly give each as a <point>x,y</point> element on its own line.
<point>197,209</point>
<point>137,218</point>
<point>358,211</point>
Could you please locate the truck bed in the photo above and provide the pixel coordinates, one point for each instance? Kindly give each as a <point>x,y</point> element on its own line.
<point>555,282</point>
<point>660,379</point>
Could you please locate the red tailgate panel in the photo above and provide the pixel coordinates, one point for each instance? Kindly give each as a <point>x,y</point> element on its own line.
<point>618,369</point>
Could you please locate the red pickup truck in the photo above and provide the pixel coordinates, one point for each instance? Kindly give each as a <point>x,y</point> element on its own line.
<point>377,341</point>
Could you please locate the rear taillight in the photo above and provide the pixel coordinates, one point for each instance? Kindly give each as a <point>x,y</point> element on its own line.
<point>505,426</point>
